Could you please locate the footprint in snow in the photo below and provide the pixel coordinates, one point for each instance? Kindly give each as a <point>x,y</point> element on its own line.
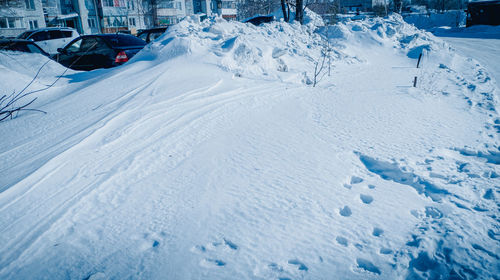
<point>489,194</point>
<point>213,249</point>
<point>224,244</point>
<point>300,265</point>
<point>433,212</point>
<point>385,251</point>
<point>367,265</point>
<point>367,199</point>
<point>356,180</point>
<point>345,212</point>
<point>152,241</point>
<point>342,241</point>
<point>377,232</point>
<point>212,263</point>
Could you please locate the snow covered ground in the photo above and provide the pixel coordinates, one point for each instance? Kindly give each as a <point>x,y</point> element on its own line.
<point>211,156</point>
<point>479,42</point>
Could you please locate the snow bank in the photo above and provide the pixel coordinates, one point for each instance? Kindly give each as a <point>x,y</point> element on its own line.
<point>280,50</point>
<point>17,69</point>
<point>434,19</point>
<point>275,50</point>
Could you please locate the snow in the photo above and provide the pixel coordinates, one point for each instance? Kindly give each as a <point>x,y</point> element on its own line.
<point>433,19</point>
<point>211,156</point>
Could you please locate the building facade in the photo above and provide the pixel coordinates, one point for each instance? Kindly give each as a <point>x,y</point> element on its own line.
<point>17,16</point>
<point>104,16</point>
<point>360,5</point>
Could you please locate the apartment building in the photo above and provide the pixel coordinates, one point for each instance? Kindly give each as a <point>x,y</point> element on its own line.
<point>17,16</point>
<point>226,8</point>
<point>360,5</point>
<point>104,16</point>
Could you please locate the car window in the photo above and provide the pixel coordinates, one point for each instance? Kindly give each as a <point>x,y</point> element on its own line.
<point>88,44</point>
<point>101,46</point>
<point>25,35</point>
<point>67,34</point>
<point>155,35</point>
<point>143,36</point>
<point>125,40</point>
<point>40,36</point>
<point>55,34</point>
<point>33,49</point>
<point>13,46</point>
<point>74,47</point>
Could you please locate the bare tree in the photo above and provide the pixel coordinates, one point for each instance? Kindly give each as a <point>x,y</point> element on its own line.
<point>320,68</point>
<point>9,104</point>
<point>285,9</point>
<point>299,11</point>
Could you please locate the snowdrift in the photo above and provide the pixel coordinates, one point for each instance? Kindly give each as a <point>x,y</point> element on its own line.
<point>18,69</point>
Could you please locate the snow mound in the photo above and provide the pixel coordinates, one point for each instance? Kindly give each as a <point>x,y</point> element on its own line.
<point>284,51</point>
<point>433,19</point>
<point>23,67</point>
<point>243,49</point>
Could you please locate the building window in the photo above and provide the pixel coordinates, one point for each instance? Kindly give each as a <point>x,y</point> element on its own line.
<point>30,4</point>
<point>166,4</point>
<point>130,5</point>
<point>10,22</point>
<point>92,23</point>
<point>33,24</point>
<point>113,3</point>
<point>115,21</point>
<point>3,23</point>
<point>131,21</point>
<point>228,5</point>
<point>178,6</point>
<point>167,20</point>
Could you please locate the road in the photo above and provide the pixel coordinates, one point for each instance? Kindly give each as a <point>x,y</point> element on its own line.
<point>484,50</point>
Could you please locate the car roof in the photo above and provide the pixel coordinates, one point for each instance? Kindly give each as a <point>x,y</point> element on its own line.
<point>16,41</point>
<point>110,37</point>
<point>51,28</point>
<point>154,29</point>
<point>7,41</point>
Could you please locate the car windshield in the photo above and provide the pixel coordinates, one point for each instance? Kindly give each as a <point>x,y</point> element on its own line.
<point>19,47</point>
<point>25,35</point>
<point>34,49</point>
<point>123,41</point>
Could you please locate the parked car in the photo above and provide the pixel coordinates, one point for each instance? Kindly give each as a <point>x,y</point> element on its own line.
<point>20,46</point>
<point>50,38</point>
<point>149,35</point>
<point>258,20</point>
<point>89,52</point>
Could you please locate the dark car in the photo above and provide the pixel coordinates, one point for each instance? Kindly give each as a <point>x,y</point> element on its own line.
<point>258,20</point>
<point>20,46</point>
<point>149,35</point>
<point>91,52</point>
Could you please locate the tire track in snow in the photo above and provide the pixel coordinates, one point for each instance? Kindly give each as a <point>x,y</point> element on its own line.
<point>209,105</point>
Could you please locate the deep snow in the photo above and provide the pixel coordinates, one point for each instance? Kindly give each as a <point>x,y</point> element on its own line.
<point>210,156</point>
